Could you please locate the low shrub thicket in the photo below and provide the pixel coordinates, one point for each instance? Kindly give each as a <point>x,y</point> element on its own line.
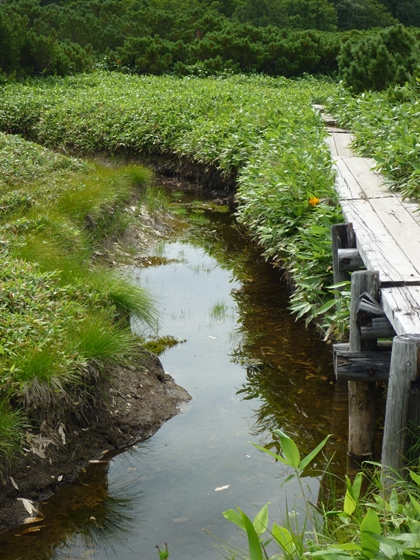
<point>62,318</point>
<point>379,60</point>
<point>61,38</point>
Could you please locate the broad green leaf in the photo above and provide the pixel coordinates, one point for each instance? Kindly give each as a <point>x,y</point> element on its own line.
<point>288,479</point>
<point>393,501</point>
<point>371,523</point>
<point>349,504</point>
<point>338,548</point>
<point>305,462</point>
<point>409,538</point>
<point>290,450</point>
<point>284,538</point>
<point>332,554</point>
<point>357,485</point>
<point>415,504</point>
<point>352,493</point>
<point>370,526</point>
<point>261,520</point>
<point>275,455</point>
<point>324,308</point>
<point>233,516</point>
<point>339,285</point>
<point>255,552</point>
<point>348,546</point>
<point>415,477</point>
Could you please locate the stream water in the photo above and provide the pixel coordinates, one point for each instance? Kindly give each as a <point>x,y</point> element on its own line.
<point>250,368</point>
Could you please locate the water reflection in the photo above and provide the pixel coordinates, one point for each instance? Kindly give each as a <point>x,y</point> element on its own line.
<point>86,507</point>
<point>250,369</point>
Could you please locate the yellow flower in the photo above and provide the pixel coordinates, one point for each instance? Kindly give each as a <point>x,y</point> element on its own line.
<point>313,201</point>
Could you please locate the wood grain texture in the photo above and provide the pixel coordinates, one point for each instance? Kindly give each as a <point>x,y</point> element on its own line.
<point>403,371</point>
<point>387,232</point>
<point>362,396</point>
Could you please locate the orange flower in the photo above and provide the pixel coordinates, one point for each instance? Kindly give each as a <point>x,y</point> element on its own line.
<point>313,201</point>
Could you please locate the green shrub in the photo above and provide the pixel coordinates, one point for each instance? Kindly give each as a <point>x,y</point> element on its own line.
<point>378,60</point>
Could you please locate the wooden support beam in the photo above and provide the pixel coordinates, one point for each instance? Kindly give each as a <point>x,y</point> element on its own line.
<point>342,237</point>
<point>405,369</point>
<point>362,398</point>
<point>376,324</point>
<point>380,327</point>
<point>349,260</point>
<point>362,366</point>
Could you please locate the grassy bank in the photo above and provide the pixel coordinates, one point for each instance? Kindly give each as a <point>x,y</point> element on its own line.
<point>260,130</point>
<point>63,313</point>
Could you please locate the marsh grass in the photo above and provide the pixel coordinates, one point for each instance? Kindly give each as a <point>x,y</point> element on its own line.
<point>129,298</point>
<point>220,311</point>
<point>154,199</point>
<point>65,316</point>
<point>364,517</point>
<point>98,338</point>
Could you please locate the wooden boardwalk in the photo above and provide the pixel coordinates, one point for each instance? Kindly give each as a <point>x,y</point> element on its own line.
<point>387,239</point>
<point>387,232</point>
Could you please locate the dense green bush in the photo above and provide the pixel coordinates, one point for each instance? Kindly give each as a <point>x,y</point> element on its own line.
<point>376,61</point>
<point>277,37</point>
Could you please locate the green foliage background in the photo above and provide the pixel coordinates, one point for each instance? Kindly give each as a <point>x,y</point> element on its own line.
<point>275,37</point>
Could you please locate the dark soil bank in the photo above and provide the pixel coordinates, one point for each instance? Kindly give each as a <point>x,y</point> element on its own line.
<point>129,407</point>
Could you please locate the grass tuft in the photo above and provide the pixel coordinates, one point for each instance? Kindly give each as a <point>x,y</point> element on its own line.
<point>12,424</point>
<point>98,339</point>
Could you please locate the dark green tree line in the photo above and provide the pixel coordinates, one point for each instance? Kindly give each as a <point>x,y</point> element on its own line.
<point>276,37</point>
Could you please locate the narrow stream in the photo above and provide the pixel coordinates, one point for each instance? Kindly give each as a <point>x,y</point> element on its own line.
<point>250,368</point>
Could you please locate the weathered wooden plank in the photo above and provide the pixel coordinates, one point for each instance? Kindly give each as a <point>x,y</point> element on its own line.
<point>381,346</point>
<point>403,371</point>
<point>379,328</point>
<point>362,366</point>
<point>342,142</point>
<point>400,224</point>
<point>329,140</point>
<point>402,307</point>
<point>377,247</point>
<point>347,186</point>
<point>360,180</point>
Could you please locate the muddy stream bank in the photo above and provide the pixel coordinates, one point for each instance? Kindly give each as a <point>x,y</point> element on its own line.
<point>249,368</point>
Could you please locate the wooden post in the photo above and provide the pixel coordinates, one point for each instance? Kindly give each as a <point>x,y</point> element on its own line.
<point>362,395</point>
<point>342,237</point>
<point>404,370</point>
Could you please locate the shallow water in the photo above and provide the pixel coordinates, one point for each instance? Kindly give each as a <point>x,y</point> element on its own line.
<point>250,368</point>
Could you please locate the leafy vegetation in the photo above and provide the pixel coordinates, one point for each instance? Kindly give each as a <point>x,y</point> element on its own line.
<point>376,61</point>
<point>261,130</point>
<point>381,521</point>
<point>63,318</point>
